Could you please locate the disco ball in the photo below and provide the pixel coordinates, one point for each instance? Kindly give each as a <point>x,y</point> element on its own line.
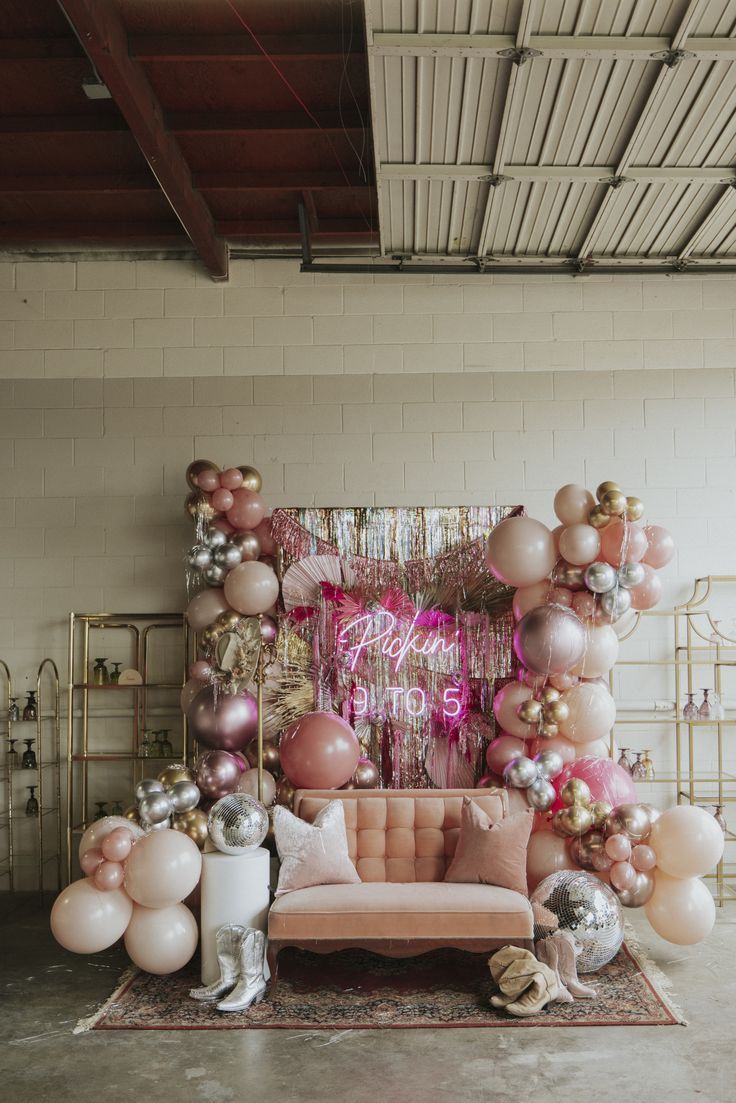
<point>237,822</point>
<point>589,909</point>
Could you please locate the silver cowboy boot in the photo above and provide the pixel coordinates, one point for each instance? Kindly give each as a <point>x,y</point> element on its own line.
<point>251,987</point>
<point>229,939</point>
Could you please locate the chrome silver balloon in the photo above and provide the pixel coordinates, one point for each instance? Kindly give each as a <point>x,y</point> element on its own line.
<point>227,556</point>
<point>249,544</point>
<point>162,826</point>
<point>215,576</point>
<point>184,795</point>
<point>541,794</point>
<point>237,822</point>
<point>549,764</point>
<point>146,786</point>
<point>589,909</point>
<point>615,602</point>
<point>520,773</point>
<point>155,808</point>
<point>213,537</point>
<point>199,557</point>
<point>631,574</point>
<point>600,577</point>
<point>639,893</point>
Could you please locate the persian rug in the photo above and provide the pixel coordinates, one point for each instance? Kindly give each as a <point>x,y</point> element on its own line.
<point>356,990</point>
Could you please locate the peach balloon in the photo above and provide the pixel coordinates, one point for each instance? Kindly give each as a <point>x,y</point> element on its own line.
<point>547,853</point>
<point>206,607</point>
<point>573,504</point>
<point>163,869</point>
<point>601,651</point>
<point>580,544</point>
<point>660,546</point>
<point>117,845</point>
<point>520,551</point>
<point>231,479</point>
<point>527,598</point>
<point>557,743</point>
<point>687,841</point>
<point>248,783</point>
<point>591,713</point>
<point>618,847</point>
<point>247,510</point>
<point>503,750</point>
<point>319,751</point>
<point>251,588</point>
<point>108,876</point>
<point>623,875</point>
<point>505,704</point>
<point>622,542</point>
<point>98,831</point>
<point>161,940</point>
<point>583,604</point>
<point>597,748</point>
<point>643,858</point>
<point>86,920</point>
<point>263,532</point>
<point>647,593</point>
<point>681,910</point>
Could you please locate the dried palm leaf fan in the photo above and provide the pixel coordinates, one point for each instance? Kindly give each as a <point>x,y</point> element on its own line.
<point>301,585</point>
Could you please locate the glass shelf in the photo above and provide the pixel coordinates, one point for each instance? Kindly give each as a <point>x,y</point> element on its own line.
<point>138,685</point>
<point>121,756</point>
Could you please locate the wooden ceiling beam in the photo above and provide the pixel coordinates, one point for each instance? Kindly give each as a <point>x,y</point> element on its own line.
<point>102,32</point>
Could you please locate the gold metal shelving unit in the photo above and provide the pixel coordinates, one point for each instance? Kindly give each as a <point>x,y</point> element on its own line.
<point>44,843</point>
<point>92,709</point>
<point>699,777</point>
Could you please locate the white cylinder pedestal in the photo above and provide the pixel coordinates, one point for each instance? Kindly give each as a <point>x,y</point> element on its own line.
<point>234,890</point>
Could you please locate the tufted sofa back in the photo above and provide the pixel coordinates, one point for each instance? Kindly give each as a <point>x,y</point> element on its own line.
<point>401,835</point>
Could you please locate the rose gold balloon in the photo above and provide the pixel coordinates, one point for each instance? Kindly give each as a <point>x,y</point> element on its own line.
<point>622,542</point>
<point>217,774</point>
<point>247,510</point>
<point>660,546</point>
<point>285,792</point>
<point>549,640</point>
<point>366,775</point>
<point>189,691</point>
<point>161,940</point>
<point>560,595</point>
<point>227,726</point>
<point>85,920</point>
<point>231,479</point>
<point>251,478</point>
<point>205,607</point>
<point>271,758</point>
<point>249,544</point>
<point>623,876</point>
<point>251,588</point>
<point>643,857</point>
<point>208,480</point>
<point>263,532</point>
<point>223,500</point>
<point>201,671</point>
<point>564,681</point>
<point>319,751</point>
<point>269,629</point>
<point>583,605</point>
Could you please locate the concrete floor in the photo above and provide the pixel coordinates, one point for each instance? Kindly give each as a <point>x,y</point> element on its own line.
<point>46,990</point>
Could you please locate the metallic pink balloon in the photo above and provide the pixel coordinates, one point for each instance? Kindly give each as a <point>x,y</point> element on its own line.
<point>549,640</point>
<point>228,726</point>
<point>218,773</point>
<point>319,751</point>
<point>269,629</point>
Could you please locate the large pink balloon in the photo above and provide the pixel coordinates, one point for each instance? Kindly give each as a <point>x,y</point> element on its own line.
<point>660,546</point>
<point>573,504</point>
<point>557,743</point>
<point>520,551</point>
<point>251,588</point>
<point>647,593</point>
<point>267,542</point>
<point>206,607</point>
<point>85,919</point>
<point>319,751</point>
<point>606,780</point>
<point>163,869</point>
<point>600,651</point>
<point>622,542</point>
<point>687,841</point>
<point>217,773</point>
<point>527,598</point>
<point>549,640</point>
<point>591,713</point>
<point>546,853</point>
<point>580,544</point>
<point>502,751</point>
<point>98,831</point>
<point>161,940</point>
<point>505,703</point>
<point>680,910</point>
<point>228,725</point>
<point>247,510</point>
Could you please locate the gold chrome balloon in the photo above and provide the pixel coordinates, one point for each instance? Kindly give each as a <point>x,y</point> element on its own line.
<point>634,509</point>
<point>549,694</point>
<point>573,821</point>
<point>575,791</point>
<point>251,478</point>
<point>285,793</point>
<point>194,825</point>
<point>597,518</point>
<point>228,620</point>
<point>556,712</point>
<point>271,758</point>
<point>177,771</point>
<point>548,730</point>
<point>132,814</point>
<point>613,503</point>
<point>604,489</point>
<point>529,712</point>
<point>194,469</point>
<point>600,810</point>
<point>197,505</point>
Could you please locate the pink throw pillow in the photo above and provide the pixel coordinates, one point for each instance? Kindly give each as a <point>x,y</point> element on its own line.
<point>491,853</point>
<point>313,853</point>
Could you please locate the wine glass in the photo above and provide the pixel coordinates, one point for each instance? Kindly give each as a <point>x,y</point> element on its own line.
<point>690,711</point>
<point>648,765</point>
<point>624,761</point>
<point>32,803</point>
<point>639,770</point>
<point>705,712</point>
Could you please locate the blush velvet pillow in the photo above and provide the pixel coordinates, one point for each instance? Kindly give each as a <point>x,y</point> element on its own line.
<point>313,853</point>
<point>491,853</point>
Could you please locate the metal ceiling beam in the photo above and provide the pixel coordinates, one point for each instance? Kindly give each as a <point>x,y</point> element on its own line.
<point>600,47</point>
<point>726,200</point>
<point>552,174</point>
<point>189,122</point>
<point>102,32</point>
<point>673,55</point>
<point>125,183</point>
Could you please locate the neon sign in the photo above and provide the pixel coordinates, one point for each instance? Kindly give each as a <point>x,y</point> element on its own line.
<point>412,701</point>
<point>380,629</point>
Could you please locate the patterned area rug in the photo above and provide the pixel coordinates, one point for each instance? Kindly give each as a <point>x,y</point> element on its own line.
<point>355,990</point>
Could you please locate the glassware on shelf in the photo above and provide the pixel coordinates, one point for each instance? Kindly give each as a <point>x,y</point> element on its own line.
<point>32,803</point>
<point>639,770</point>
<point>28,762</point>
<point>648,766</point>
<point>13,710</point>
<point>720,818</point>
<point>100,673</point>
<point>145,749</point>
<point>157,746</point>
<point>13,756</point>
<point>117,808</point>
<point>690,711</point>
<point>705,712</point>
<point>167,750</point>
<point>115,674</point>
<point>717,708</point>
<point>101,809</point>
<point>30,712</point>
<point>624,761</point>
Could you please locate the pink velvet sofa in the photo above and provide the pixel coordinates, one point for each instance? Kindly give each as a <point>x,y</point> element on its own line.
<point>401,842</point>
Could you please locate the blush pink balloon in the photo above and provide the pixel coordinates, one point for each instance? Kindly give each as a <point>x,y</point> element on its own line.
<point>201,671</point>
<point>163,869</point>
<point>251,588</point>
<point>563,681</point>
<point>600,651</point>
<point>591,713</point>
<point>231,478</point>
<point>503,750</point>
<point>223,525</point>
<point>559,595</point>
<point>573,504</point>
<point>208,480</point>
<point>660,546</point>
<point>618,847</point>
<point>580,544</point>
<point>319,751</point>
<point>547,853</point>
<point>643,857</point>
<point>249,784</point>
<point>247,510</point>
<point>263,532</point>
<point>622,542</point>
<point>109,876</point>
<point>536,682</point>
<point>556,534</point>
<point>583,604</point>
<point>228,726</point>
<point>206,607</point>
<point>601,862</point>
<point>85,920</point>
<point>91,860</point>
<point>98,831</point>
<point>680,910</point>
<point>222,500</point>
<point>505,703</point>
<point>623,875</point>
<point>606,780</point>
<point>161,940</point>
<point>647,593</point>
<point>520,551</point>
<point>118,845</point>
<point>527,598</point>
<point>557,743</point>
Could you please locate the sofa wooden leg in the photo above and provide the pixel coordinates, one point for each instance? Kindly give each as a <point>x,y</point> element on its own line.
<point>272,957</point>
